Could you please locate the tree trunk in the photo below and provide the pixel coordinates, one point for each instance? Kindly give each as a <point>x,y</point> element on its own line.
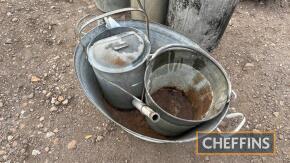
<point>204,21</point>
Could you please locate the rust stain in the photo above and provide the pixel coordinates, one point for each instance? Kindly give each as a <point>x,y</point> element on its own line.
<point>190,105</point>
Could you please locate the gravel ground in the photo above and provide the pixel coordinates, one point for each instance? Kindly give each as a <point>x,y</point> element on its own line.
<point>45,117</point>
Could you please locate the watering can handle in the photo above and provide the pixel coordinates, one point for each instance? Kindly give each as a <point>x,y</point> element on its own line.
<point>85,21</point>
<point>241,124</point>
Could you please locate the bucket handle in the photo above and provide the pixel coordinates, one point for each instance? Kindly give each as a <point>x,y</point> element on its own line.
<point>165,48</point>
<point>88,19</point>
<point>240,125</point>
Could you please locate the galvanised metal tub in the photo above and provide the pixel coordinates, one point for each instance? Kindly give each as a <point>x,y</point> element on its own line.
<point>160,36</point>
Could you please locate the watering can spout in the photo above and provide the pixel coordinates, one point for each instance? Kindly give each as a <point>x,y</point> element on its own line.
<point>146,111</point>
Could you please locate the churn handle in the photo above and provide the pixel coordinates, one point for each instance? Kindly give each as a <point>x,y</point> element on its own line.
<point>236,115</point>
<point>83,22</point>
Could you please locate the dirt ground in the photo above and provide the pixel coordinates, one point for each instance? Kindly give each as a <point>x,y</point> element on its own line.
<point>45,117</point>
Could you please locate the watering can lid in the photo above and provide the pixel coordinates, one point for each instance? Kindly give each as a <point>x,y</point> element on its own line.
<point>117,51</point>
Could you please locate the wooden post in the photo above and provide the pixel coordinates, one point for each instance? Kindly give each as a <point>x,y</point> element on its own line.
<point>204,21</point>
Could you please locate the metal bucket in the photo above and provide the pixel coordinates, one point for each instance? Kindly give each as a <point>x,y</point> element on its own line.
<point>201,79</point>
<point>110,5</point>
<point>160,36</point>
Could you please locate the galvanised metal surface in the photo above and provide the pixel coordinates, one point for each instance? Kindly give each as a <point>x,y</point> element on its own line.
<point>176,66</point>
<point>156,9</point>
<point>110,5</point>
<point>129,77</point>
<point>159,37</point>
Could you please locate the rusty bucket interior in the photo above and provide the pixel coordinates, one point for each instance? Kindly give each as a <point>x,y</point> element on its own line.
<point>187,83</point>
<point>186,87</point>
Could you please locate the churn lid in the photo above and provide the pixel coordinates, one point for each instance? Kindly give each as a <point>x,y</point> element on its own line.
<point>117,51</point>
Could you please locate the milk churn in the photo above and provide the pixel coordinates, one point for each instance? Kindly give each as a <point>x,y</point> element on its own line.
<point>110,5</point>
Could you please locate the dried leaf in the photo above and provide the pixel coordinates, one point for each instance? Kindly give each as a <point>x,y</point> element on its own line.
<point>88,136</point>
<point>35,78</point>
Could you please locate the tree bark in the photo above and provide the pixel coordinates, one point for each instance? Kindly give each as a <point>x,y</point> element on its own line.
<point>204,21</point>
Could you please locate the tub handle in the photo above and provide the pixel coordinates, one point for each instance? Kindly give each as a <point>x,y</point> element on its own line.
<point>88,19</point>
<point>241,124</point>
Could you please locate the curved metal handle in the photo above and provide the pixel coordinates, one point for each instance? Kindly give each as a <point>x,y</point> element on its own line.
<point>236,115</point>
<point>83,22</point>
<point>165,48</point>
<point>234,95</point>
